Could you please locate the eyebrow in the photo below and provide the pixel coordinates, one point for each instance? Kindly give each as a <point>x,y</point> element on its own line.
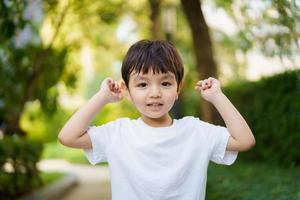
<point>138,78</point>
<point>167,76</point>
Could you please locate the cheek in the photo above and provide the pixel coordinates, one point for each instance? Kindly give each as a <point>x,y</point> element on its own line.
<point>172,97</point>
<point>174,93</point>
<point>137,98</point>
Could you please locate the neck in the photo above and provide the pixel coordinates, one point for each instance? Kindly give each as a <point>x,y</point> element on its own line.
<point>158,122</point>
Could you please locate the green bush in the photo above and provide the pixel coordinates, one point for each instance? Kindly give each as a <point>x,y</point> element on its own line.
<point>271,106</point>
<point>18,159</point>
<point>252,180</point>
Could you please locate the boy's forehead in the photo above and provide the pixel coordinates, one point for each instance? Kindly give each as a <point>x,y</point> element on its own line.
<point>136,75</point>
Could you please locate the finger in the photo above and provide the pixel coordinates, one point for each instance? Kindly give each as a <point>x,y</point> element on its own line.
<point>112,85</point>
<point>211,80</point>
<point>204,84</point>
<point>117,89</point>
<point>199,83</point>
<point>207,81</point>
<point>107,82</point>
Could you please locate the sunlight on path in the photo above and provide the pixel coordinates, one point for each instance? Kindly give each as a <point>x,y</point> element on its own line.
<point>94,182</point>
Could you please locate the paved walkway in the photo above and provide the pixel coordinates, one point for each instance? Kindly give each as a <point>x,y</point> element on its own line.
<point>94,182</point>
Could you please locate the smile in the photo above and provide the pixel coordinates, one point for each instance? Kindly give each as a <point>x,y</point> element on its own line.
<point>154,104</point>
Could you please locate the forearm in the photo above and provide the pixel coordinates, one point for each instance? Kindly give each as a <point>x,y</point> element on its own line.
<point>79,122</point>
<point>235,123</point>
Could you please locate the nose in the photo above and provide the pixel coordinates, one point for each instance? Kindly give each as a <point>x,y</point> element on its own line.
<point>155,92</point>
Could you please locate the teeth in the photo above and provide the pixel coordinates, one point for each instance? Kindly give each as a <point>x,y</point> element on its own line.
<point>155,104</point>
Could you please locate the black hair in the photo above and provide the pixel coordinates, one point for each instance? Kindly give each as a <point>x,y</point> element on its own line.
<point>159,55</point>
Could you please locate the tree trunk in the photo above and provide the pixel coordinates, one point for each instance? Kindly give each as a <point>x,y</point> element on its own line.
<point>206,65</point>
<point>155,7</point>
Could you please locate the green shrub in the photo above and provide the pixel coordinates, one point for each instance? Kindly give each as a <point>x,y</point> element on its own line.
<point>18,159</point>
<point>271,106</point>
<point>252,180</point>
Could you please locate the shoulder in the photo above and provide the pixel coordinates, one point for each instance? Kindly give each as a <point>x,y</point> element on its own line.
<point>114,124</point>
<point>111,128</point>
<point>123,120</point>
<point>196,122</point>
<point>120,122</point>
<point>189,120</point>
<point>188,123</point>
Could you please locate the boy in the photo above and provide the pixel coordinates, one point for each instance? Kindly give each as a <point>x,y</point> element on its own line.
<point>157,157</point>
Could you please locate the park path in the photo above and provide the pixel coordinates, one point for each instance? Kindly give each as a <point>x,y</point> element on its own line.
<point>93,181</point>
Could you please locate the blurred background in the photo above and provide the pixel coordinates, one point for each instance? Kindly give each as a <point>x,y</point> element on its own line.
<point>55,53</point>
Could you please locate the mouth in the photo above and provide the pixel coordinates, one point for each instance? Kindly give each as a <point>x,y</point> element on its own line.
<point>154,104</point>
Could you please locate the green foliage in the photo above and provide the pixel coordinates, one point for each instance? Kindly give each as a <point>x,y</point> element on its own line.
<point>58,151</point>
<point>189,99</point>
<point>251,180</point>
<point>29,69</point>
<point>11,18</point>
<point>19,173</point>
<point>42,126</point>
<point>22,71</point>
<point>271,106</point>
<point>50,177</point>
<point>272,26</point>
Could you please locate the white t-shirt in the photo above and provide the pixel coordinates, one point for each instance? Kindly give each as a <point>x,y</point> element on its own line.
<point>148,163</point>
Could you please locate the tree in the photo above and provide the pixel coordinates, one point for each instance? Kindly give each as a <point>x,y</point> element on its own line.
<point>203,48</point>
<point>29,70</point>
<point>34,70</point>
<point>155,9</point>
<point>271,26</point>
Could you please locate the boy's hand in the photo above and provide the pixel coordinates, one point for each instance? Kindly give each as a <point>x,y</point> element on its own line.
<point>111,90</point>
<point>209,88</point>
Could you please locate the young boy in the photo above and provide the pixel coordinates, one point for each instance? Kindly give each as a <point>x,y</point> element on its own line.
<point>157,157</point>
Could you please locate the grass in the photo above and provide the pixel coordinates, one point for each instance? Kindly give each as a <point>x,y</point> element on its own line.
<point>247,181</point>
<point>50,177</point>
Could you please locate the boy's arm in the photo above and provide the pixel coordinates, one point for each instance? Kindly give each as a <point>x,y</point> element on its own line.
<point>74,133</point>
<point>242,138</point>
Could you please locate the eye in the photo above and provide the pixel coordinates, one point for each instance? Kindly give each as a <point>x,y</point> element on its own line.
<point>166,84</point>
<point>142,85</point>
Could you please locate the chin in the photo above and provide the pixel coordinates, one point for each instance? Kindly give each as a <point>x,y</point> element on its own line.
<point>155,116</point>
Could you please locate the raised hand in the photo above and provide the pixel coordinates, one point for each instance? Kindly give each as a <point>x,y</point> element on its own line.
<point>111,90</point>
<point>209,88</point>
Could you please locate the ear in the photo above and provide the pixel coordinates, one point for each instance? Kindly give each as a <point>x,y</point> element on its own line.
<point>179,89</point>
<point>125,90</point>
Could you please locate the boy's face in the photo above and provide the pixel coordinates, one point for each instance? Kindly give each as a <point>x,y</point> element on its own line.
<point>153,94</point>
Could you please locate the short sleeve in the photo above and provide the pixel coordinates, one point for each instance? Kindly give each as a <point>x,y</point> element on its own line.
<point>101,137</point>
<point>220,137</point>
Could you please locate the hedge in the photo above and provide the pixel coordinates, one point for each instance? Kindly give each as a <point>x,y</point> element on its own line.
<point>19,173</point>
<point>271,106</point>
